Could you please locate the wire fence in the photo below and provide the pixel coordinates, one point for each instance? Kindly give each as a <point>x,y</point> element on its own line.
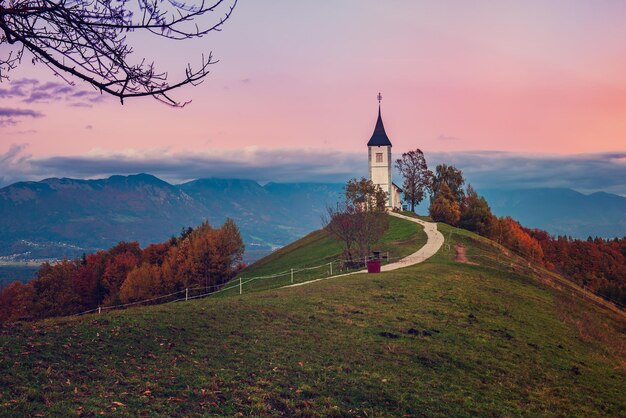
<point>300,274</point>
<point>337,267</point>
<point>517,262</point>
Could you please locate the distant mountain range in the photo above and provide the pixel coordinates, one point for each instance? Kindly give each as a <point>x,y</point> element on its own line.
<point>55,217</point>
<point>562,211</point>
<point>65,217</point>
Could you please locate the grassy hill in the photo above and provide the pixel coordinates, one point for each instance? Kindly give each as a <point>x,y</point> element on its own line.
<point>310,256</point>
<point>494,336</point>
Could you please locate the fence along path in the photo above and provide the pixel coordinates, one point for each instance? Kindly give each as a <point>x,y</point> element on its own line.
<point>433,244</point>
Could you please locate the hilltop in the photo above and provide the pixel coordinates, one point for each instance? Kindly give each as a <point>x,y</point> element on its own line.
<point>491,336</point>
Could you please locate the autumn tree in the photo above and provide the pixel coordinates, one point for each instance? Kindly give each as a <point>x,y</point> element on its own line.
<point>121,259</point>
<point>519,239</point>
<point>451,177</point>
<point>16,301</point>
<point>204,256</point>
<point>155,253</point>
<point>445,207</point>
<point>88,40</point>
<point>365,193</point>
<point>342,223</point>
<point>359,220</point>
<point>417,178</point>
<point>230,249</point>
<point>213,253</point>
<point>55,294</point>
<point>143,282</point>
<point>476,215</point>
<point>88,280</point>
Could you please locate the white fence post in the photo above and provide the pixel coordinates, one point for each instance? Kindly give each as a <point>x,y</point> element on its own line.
<point>187,294</point>
<point>99,309</point>
<point>331,268</point>
<point>241,285</point>
<point>291,275</point>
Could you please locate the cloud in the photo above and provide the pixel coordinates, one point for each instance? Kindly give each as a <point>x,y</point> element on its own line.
<point>8,112</point>
<point>12,153</point>
<point>495,169</point>
<point>251,163</point>
<point>14,164</point>
<point>11,116</point>
<point>38,96</point>
<point>32,91</point>
<point>444,137</point>
<point>483,169</point>
<point>24,132</point>
<point>24,81</point>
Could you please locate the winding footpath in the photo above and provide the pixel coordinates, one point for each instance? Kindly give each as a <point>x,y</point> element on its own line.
<point>433,244</point>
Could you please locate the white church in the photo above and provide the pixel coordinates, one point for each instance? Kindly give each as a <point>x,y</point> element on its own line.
<point>380,163</point>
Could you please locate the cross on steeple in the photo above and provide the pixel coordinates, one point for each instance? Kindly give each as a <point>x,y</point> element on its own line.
<point>379,97</point>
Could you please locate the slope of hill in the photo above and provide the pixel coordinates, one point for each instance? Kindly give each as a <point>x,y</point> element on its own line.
<point>310,255</point>
<point>489,337</point>
<point>562,211</point>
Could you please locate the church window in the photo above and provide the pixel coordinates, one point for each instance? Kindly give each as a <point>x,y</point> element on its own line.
<point>379,157</point>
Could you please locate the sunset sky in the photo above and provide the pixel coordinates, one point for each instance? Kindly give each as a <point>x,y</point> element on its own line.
<point>534,88</point>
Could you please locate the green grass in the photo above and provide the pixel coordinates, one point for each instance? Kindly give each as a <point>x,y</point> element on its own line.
<point>319,248</point>
<point>436,339</point>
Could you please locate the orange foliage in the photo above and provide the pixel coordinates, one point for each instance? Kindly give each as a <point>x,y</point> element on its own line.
<point>16,301</point>
<point>200,257</point>
<point>597,264</point>
<point>205,257</point>
<point>445,207</point>
<point>142,283</point>
<point>512,235</point>
<point>124,257</point>
<point>54,291</point>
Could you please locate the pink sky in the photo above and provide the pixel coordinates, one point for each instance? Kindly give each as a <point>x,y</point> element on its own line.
<point>523,76</point>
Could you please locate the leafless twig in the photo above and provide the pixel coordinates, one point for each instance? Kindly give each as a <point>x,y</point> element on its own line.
<point>87,40</point>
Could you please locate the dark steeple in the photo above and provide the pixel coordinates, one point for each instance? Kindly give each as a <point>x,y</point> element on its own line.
<point>379,137</point>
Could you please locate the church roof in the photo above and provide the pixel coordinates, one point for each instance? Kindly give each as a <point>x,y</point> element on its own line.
<point>379,137</point>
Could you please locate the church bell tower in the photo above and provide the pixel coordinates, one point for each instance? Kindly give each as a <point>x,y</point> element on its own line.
<point>379,157</point>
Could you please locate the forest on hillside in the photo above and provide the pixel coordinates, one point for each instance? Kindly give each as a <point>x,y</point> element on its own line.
<point>204,257</point>
<point>596,264</point>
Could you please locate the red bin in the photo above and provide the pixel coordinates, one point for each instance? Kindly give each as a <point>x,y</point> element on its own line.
<point>373,266</point>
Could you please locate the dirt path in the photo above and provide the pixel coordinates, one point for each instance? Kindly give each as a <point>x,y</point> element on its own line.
<point>433,244</point>
<point>460,253</point>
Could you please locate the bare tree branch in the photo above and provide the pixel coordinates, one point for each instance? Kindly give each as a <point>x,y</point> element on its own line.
<point>87,40</point>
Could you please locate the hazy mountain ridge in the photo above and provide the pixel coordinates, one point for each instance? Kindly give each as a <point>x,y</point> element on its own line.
<point>562,211</point>
<point>60,217</point>
<point>65,217</point>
